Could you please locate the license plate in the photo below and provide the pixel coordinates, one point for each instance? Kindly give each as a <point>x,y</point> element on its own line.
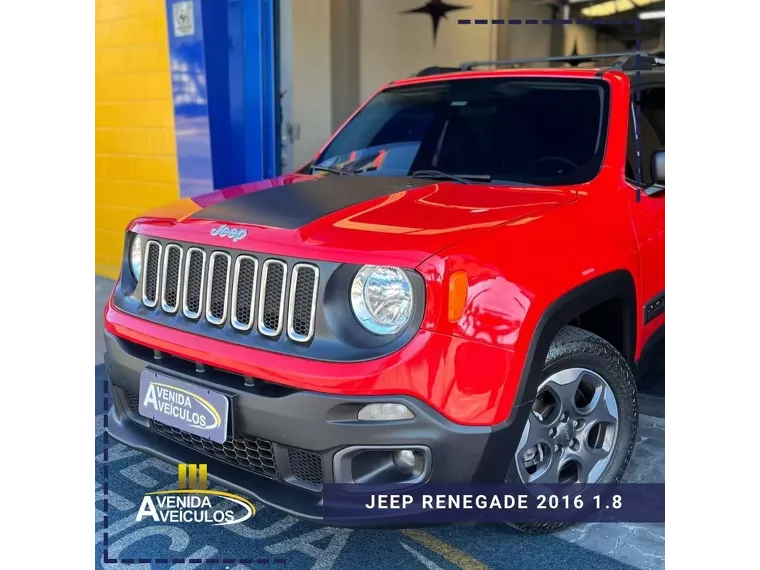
<point>184,406</point>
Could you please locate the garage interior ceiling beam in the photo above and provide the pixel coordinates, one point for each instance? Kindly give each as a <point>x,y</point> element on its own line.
<point>652,31</point>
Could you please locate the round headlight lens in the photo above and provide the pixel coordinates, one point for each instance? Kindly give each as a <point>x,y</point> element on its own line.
<point>135,257</point>
<point>381,298</point>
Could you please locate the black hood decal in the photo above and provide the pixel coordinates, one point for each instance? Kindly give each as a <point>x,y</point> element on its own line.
<point>293,206</point>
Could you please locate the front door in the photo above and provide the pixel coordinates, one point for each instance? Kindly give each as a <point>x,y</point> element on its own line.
<point>648,212</point>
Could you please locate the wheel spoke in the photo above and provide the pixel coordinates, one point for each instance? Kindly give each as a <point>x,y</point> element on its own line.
<point>600,414</point>
<point>564,385</point>
<point>592,462</point>
<point>533,434</point>
<point>550,474</point>
<point>602,407</point>
<point>534,437</point>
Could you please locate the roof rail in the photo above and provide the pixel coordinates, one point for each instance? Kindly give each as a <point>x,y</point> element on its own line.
<point>623,60</point>
<point>637,60</point>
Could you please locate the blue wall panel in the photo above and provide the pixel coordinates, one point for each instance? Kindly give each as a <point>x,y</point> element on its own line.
<point>224,79</point>
<point>227,169</point>
<point>191,118</point>
<point>261,87</point>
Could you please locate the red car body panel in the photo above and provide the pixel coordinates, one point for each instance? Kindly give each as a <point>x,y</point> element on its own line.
<point>401,229</point>
<point>521,248</point>
<point>424,368</point>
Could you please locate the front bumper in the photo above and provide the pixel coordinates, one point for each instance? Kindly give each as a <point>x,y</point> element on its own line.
<point>284,444</point>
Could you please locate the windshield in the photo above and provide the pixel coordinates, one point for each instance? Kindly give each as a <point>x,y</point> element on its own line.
<point>532,131</point>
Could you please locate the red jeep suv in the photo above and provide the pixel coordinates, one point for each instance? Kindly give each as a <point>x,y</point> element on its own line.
<point>458,288</point>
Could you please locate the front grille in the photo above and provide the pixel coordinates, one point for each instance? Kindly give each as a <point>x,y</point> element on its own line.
<point>305,465</point>
<point>195,267</point>
<point>133,401</point>
<point>151,276</point>
<point>243,290</point>
<point>171,278</point>
<point>272,301</point>
<point>218,288</point>
<point>252,453</point>
<point>225,289</point>
<point>303,298</point>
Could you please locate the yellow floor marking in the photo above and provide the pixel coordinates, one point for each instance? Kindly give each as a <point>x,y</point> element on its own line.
<point>453,555</point>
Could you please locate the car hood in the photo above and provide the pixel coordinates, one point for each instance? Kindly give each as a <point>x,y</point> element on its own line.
<point>399,221</point>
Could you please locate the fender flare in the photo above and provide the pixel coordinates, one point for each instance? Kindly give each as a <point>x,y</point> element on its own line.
<point>614,285</point>
<point>505,436</point>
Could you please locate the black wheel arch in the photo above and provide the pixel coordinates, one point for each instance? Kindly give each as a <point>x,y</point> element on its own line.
<point>616,285</point>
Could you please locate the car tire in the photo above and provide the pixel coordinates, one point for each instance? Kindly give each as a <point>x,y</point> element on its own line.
<point>571,350</point>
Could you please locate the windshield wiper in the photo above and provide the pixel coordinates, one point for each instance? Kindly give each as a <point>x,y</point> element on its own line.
<point>462,178</point>
<point>332,170</point>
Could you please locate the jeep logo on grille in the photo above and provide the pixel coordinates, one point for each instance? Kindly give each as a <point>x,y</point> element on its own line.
<point>233,233</point>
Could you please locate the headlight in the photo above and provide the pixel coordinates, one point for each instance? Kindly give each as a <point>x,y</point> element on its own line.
<point>381,298</point>
<point>135,257</point>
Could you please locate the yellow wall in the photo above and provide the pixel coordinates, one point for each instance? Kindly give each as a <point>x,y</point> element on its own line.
<point>135,152</point>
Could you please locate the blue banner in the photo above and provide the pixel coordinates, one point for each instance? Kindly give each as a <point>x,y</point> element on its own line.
<point>494,503</point>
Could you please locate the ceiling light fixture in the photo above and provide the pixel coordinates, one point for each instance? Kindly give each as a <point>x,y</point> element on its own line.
<point>659,14</point>
<point>612,7</point>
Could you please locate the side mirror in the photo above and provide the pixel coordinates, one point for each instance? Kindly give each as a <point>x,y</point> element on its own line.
<point>657,171</point>
<point>658,167</point>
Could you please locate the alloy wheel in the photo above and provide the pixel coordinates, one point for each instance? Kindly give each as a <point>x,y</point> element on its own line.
<point>572,430</point>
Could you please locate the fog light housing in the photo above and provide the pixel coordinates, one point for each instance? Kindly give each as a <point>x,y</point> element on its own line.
<point>384,412</point>
<point>382,464</point>
<point>405,460</point>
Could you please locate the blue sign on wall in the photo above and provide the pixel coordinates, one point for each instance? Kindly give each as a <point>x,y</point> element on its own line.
<point>224,70</point>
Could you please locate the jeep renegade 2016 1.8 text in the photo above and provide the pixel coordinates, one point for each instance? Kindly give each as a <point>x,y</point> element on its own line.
<point>458,288</point>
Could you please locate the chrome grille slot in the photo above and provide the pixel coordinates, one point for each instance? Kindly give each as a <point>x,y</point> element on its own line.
<point>171,277</point>
<point>303,300</point>
<point>243,292</point>
<point>151,275</point>
<point>272,297</point>
<point>192,293</point>
<point>218,287</point>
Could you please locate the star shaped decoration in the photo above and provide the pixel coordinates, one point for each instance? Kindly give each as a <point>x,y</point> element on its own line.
<point>437,10</point>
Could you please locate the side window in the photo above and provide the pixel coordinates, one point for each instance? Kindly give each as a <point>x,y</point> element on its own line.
<point>630,155</point>
<point>651,128</point>
<point>653,108</point>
